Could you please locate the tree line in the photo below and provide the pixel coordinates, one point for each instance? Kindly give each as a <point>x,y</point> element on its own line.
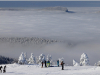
<point>7,60</point>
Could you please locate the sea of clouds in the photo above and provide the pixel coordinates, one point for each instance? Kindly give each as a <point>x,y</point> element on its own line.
<point>78,30</point>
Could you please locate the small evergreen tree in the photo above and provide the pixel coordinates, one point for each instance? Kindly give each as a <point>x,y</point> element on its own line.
<point>49,58</point>
<point>21,59</point>
<point>98,63</point>
<point>60,60</point>
<point>84,60</point>
<point>25,56</point>
<point>95,64</point>
<point>41,58</point>
<point>32,59</point>
<point>37,60</point>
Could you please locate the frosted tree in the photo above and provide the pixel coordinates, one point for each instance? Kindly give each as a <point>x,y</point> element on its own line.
<point>95,64</point>
<point>98,63</point>
<point>32,59</point>
<point>41,58</point>
<point>25,56</point>
<point>49,58</point>
<point>75,63</point>
<point>21,59</point>
<point>37,60</point>
<point>60,60</point>
<point>84,60</point>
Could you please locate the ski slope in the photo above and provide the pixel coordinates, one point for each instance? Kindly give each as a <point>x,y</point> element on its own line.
<point>16,69</point>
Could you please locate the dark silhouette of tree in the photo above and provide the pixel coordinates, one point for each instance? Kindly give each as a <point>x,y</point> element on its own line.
<point>6,60</point>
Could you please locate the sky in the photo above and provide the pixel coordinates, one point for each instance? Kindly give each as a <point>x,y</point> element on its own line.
<point>49,3</point>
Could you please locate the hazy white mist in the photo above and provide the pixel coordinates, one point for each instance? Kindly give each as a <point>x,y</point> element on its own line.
<point>79,29</point>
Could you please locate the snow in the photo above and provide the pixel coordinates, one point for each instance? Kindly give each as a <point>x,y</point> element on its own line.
<point>75,63</point>
<point>16,69</point>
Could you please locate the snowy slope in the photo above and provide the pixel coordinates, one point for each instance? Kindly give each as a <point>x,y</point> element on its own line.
<point>15,69</point>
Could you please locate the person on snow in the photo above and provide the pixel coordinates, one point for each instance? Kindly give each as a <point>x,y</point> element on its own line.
<point>42,64</point>
<point>45,63</point>
<point>48,63</point>
<point>1,69</point>
<point>62,64</point>
<point>58,63</point>
<point>4,69</point>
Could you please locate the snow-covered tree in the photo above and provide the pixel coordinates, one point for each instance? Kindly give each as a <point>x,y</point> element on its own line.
<point>84,60</point>
<point>25,56</point>
<point>95,64</point>
<point>60,60</point>
<point>37,60</point>
<point>32,59</point>
<point>49,58</point>
<point>41,58</point>
<point>21,59</point>
<point>98,63</point>
<point>75,63</point>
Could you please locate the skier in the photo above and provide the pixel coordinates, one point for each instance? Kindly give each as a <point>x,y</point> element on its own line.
<point>1,69</point>
<point>62,64</point>
<point>4,69</point>
<point>58,63</point>
<point>42,64</point>
<point>48,63</point>
<point>45,63</point>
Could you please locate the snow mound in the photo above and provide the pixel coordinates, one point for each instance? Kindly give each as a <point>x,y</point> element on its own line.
<point>75,63</point>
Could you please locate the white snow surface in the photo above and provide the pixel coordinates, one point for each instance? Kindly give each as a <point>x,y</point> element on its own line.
<point>16,69</point>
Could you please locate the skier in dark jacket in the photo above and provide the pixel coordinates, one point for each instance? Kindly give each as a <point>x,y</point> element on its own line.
<point>4,69</point>
<point>1,69</point>
<point>45,63</point>
<point>62,64</point>
<point>42,64</point>
<point>58,63</point>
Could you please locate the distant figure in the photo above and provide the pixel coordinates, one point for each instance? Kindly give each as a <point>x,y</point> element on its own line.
<point>42,64</point>
<point>62,64</point>
<point>1,69</point>
<point>48,63</point>
<point>4,69</point>
<point>58,63</point>
<point>45,64</point>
